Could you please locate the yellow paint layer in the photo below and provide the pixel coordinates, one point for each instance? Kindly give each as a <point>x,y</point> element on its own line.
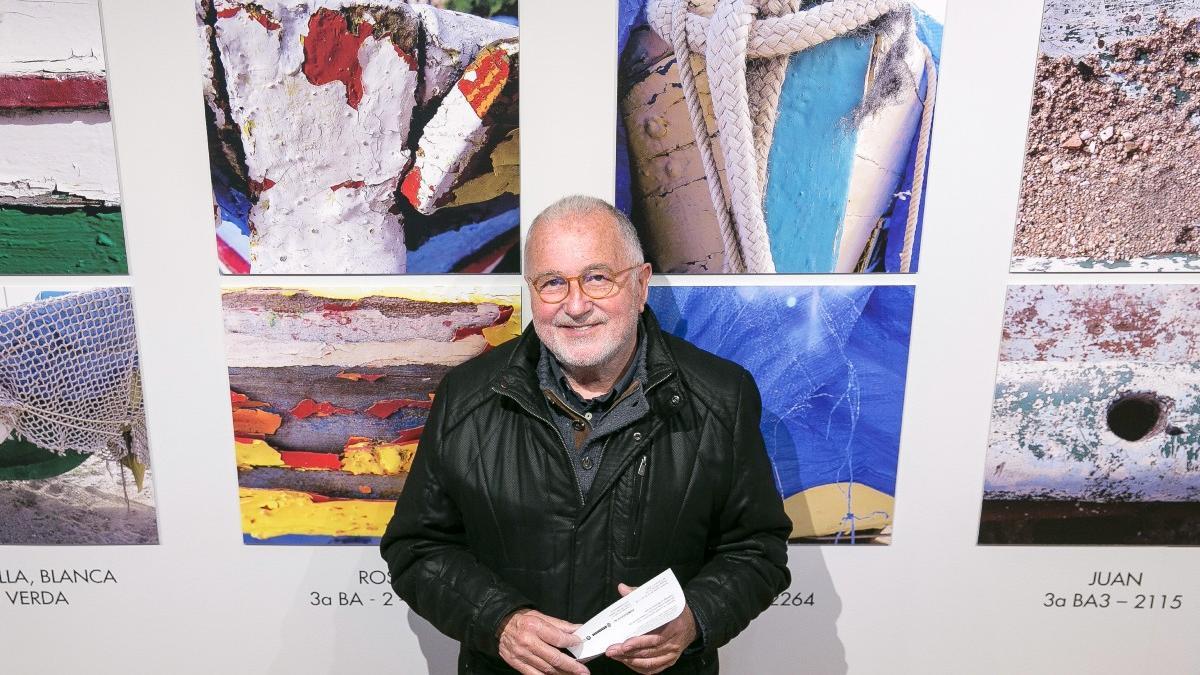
<point>505,175</point>
<point>821,511</point>
<point>383,459</point>
<point>273,513</point>
<point>256,453</point>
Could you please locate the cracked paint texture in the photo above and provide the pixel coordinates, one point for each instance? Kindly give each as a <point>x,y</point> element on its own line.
<point>319,113</point>
<point>1069,356</point>
<point>330,389</point>
<point>59,191</point>
<point>830,363</point>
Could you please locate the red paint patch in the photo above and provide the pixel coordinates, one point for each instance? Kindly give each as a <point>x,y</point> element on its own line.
<point>308,408</point>
<point>411,185</point>
<point>243,401</point>
<point>387,408</point>
<point>231,259</point>
<point>406,57</point>
<point>364,489</point>
<point>409,435</point>
<point>331,53</point>
<point>65,92</point>
<point>490,70</point>
<point>357,377</point>
<point>348,184</point>
<point>506,312</point>
<point>311,460</point>
<point>257,188</point>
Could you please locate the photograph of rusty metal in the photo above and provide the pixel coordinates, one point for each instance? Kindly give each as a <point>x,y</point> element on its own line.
<point>362,138</point>
<point>1094,435</point>
<point>330,388</point>
<point>831,364</point>
<point>74,455</point>
<point>1112,155</point>
<point>796,140</point>
<point>60,202</point>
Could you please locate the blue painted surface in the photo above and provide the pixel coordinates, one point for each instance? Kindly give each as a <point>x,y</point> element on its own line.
<point>808,172</point>
<point>441,253</point>
<point>929,31</point>
<point>436,256</point>
<point>829,361</point>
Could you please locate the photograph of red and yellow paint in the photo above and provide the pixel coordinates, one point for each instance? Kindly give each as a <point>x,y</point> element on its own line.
<point>330,389</point>
<point>60,202</point>
<point>354,138</point>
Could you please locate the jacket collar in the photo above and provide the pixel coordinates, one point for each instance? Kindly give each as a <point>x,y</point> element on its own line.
<point>519,375</point>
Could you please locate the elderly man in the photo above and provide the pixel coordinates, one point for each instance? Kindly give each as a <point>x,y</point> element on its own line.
<point>561,469</point>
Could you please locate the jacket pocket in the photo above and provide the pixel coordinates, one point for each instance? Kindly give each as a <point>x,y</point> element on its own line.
<point>638,494</point>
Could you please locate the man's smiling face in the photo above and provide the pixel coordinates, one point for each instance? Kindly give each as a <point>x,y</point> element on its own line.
<point>584,332</point>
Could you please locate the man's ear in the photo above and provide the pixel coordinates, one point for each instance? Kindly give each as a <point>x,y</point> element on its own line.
<point>644,275</point>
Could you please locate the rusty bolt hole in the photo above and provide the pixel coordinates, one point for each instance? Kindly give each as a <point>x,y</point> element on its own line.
<point>1136,415</point>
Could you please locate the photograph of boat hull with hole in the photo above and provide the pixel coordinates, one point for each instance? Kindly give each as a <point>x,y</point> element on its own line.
<point>1093,438</point>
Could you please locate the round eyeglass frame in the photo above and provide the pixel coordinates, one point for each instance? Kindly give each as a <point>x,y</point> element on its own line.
<point>578,279</point>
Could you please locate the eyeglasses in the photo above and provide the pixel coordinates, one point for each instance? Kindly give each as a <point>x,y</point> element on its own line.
<point>597,282</point>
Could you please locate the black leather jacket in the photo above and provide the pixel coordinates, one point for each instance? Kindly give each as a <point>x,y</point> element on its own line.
<point>491,518</point>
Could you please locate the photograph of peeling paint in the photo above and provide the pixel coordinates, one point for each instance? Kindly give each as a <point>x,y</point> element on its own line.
<point>60,200</point>
<point>1112,153</point>
<point>363,138</point>
<point>74,459</point>
<point>1094,437</point>
<point>799,147</point>
<point>831,364</point>
<point>330,389</point>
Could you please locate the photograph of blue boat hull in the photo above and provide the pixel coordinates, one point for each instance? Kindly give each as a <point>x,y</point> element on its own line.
<point>790,151</point>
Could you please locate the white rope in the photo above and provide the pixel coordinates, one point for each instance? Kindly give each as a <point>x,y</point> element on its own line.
<point>673,12</point>
<point>745,98</point>
<point>918,184</point>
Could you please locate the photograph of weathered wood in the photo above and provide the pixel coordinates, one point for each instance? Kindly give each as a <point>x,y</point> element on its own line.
<point>74,458</point>
<point>830,363</point>
<point>795,140</point>
<point>330,389</point>
<point>1112,155</point>
<point>60,201</point>
<point>363,137</point>
<point>1094,435</point>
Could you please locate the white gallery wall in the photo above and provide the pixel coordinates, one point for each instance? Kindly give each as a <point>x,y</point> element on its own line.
<point>933,601</point>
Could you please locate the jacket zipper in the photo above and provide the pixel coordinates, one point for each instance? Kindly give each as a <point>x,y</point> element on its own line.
<point>563,441</point>
<point>639,496</point>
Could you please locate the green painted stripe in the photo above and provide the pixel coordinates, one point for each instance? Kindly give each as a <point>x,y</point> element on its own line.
<point>77,241</point>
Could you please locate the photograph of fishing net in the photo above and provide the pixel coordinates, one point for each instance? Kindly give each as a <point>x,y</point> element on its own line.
<point>74,460</point>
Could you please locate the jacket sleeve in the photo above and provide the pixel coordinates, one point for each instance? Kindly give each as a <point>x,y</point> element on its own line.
<point>425,546</point>
<point>747,565</point>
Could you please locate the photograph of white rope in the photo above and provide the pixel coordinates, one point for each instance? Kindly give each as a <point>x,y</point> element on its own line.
<point>1113,156</point>
<point>348,137</point>
<point>796,140</point>
<point>1094,437</point>
<point>74,458</point>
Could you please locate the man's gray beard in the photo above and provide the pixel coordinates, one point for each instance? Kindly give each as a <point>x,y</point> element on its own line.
<point>563,358</point>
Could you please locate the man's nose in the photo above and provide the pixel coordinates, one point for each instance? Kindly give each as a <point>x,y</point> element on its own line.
<point>577,302</point>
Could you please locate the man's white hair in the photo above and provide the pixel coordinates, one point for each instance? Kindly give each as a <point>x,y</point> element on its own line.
<point>584,205</point>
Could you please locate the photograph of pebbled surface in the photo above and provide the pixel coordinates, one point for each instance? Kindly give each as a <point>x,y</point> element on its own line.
<point>1113,150</point>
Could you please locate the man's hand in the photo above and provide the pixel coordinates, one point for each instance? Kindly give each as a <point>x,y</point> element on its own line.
<point>530,642</point>
<point>659,649</point>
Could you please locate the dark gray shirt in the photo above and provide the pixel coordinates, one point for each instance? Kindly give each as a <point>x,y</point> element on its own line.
<point>586,424</point>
